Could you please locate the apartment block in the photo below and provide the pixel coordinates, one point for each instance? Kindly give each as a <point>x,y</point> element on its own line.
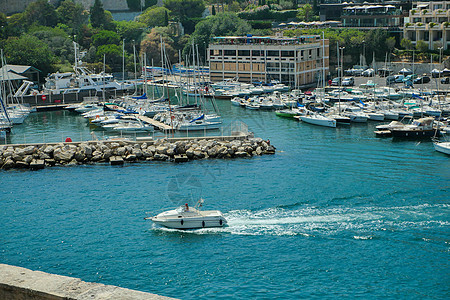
<point>429,22</point>
<point>298,61</point>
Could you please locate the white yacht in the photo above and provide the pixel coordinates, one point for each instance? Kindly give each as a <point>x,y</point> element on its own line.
<point>318,119</point>
<point>186,217</point>
<point>443,147</point>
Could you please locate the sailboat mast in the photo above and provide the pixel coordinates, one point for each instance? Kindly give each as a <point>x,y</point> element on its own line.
<point>123,62</point>
<point>103,77</point>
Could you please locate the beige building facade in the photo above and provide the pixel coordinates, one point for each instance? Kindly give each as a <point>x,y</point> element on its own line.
<point>429,22</point>
<point>298,62</point>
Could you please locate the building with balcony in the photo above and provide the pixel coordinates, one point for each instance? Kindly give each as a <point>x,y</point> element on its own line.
<point>298,62</point>
<point>429,22</point>
<point>372,15</point>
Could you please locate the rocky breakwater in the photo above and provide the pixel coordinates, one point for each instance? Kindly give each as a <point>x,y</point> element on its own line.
<point>39,156</point>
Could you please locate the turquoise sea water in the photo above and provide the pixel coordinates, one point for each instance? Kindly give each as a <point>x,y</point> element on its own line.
<point>334,213</point>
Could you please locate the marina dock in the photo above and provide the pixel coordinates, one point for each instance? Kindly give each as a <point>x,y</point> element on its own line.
<point>155,123</point>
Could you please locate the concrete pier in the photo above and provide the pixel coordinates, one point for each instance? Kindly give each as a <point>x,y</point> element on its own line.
<point>19,283</point>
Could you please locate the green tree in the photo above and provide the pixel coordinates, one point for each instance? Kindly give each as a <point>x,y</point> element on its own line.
<point>130,30</point>
<point>98,16</point>
<point>151,45</point>
<point>185,9</point>
<point>29,50</point>
<point>390,43</point>
<point>305,13</point>
<point>222,24</point>
<point>421,46</point>
<point>16,25</point>
<point>58,41</point>
<point>166,18</point>
<point>42,13</point>
<point>406,44</point>
<point>105,37</point>
<point>154,16</point>
<point>213,10</point>
<point>3,26</point>
<point>134,5</point>
<point>71,14</point>
<point>113,56</point>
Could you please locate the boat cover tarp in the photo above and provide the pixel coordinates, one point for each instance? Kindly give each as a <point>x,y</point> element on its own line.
<point>140,97</point>
<point>199,118</point>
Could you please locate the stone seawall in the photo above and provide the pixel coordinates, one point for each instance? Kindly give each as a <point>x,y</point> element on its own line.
<point>19,283</point>
<point>39,156</point>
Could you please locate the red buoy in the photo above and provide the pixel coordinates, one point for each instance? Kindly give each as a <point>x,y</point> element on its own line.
<point>68,140</point>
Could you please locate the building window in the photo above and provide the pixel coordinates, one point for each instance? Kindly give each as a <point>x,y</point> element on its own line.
<point>244,53</point>
<point>257,53</point>
<point>287,53</point>
<point>230,52</point>
<point>273,53</point>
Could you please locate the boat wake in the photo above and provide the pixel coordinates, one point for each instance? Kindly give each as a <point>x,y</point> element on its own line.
<point>357,223</point>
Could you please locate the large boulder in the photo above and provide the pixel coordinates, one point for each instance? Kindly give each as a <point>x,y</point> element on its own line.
<point>161,149</point>
<point>9,163</point>
<point>49,150</point>
<point>120,151</point>
<point>63,154</point>
<point>29,150</point>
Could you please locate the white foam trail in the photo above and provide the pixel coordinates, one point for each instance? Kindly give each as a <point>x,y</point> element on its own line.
<point>309,222</point>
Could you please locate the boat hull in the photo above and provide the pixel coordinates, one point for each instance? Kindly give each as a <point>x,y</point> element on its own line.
<point>194,223</point>
<point>320,122</point>
<point>413,134</point>
<point>443,147</point>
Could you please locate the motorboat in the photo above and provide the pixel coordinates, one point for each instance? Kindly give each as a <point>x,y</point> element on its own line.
<point>421,128</point>
<point>443,147</point>
<point>318,119</point>
<point>185,217</point>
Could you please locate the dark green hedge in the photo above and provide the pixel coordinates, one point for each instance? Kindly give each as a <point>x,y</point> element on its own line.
<point>284,15</point>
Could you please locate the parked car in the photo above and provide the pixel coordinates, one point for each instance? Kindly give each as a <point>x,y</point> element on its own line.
<point>348,81</point>
<point>422,79</point>
<point>445,80</point>
<point>336,81</point>
<point>390,80</point>
<point>368,73</point>
<point>399,78</point>
<point>409,78</point>
<point>384,72</point>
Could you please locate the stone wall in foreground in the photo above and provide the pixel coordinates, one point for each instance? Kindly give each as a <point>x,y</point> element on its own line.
<point>19,283</point>
<point>38,156</point>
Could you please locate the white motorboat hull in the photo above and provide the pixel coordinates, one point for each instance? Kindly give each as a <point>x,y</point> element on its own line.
<point>376,117</point>
<point>319,121</point>
<point>190,219</point>
<point>443,147</point>
<point>358,118</point>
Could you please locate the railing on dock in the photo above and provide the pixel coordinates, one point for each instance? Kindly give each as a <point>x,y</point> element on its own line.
<point>234,130</point>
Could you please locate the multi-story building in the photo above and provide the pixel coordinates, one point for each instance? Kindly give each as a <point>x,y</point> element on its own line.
<point>429,22</point>
<point>299,61</point>
<point>372,15</point>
